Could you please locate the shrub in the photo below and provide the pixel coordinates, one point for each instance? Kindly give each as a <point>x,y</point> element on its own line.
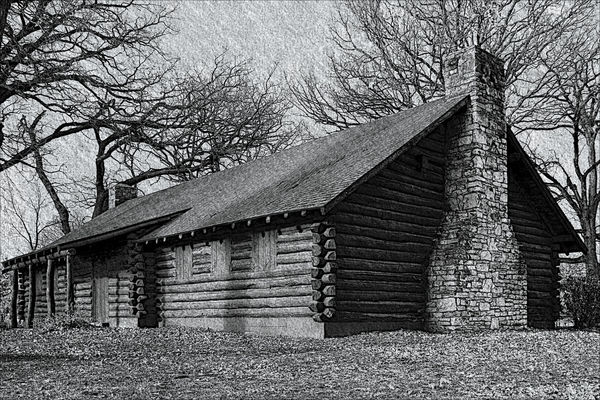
<point>582,300</point>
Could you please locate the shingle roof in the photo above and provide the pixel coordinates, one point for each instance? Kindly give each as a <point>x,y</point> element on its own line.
<point>307,176</point>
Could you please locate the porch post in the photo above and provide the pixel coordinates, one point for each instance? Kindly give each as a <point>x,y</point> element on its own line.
<point>70,298</point>
<point>50,288</point>
<point>31,305</point>
<point>13,302</point>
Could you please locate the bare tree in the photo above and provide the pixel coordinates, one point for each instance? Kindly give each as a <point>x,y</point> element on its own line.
<point>126,96</point>
<point>30,214</point>
<point>564,99</point>
<point>56,56</point>
<point>201,122</point>
<point>389,53</point>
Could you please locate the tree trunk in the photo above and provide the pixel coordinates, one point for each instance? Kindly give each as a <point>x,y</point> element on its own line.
<point>61,209</point>
<point>590,240</point>
<point>101,204</point>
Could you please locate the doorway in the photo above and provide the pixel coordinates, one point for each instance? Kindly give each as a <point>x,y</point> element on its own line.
<point>100,292</point>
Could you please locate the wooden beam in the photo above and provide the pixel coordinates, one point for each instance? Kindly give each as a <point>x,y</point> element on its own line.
<point>50,301</point>
<point>31,305</point>
<point>13,302</point>
<point>70,292</point>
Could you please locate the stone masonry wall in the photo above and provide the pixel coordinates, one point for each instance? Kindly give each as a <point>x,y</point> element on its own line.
<point>476,277</point>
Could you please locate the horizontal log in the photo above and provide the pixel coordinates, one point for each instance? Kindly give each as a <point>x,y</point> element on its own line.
<point>378,295</point>
<point>83,285</point>
<point>375,255</point>
<point>535,302</point>
<point>382,266</point>
<point>303,290</point>
<point>542,280</point>
<point>362,204</point>
<point>541,268</point>
<point>208,286</point>
<point>280,272</point>
<point>550,295</point>
<point>267,302</point>
<point>203,269</point>
<point>396,188</point>
<point>382,244</point>
<point>410,225</point>
<point>532,254</point>
<point>239,312</point>
<point>380,276</point>
<point>123,307</point>
<point>435,184</point>
<point>294,258</point>
<point>544,288</point>
<point>382,286</point>
<point>282,269</point>
<point>382,233</point>
<point>415,320</point>
<point>414,161</point>
<point>124,291</point>
<point>166,273</point>
<point>294,247</point>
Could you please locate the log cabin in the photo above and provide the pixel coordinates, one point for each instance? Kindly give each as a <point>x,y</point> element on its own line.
<point>433,218</point>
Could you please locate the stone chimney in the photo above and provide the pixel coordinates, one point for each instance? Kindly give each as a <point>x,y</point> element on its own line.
<point>476,277</point>
<point>120,193</point>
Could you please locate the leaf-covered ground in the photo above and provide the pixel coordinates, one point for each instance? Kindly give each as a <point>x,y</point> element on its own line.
<point>174,363</point>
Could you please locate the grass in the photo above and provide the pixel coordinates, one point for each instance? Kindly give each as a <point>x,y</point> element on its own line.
<point>177,363</point>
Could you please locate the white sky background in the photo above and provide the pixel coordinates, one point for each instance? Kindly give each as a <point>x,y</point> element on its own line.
<point>290,34</point>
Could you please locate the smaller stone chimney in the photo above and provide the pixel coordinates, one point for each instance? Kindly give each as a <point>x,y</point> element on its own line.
<point>120,193</point>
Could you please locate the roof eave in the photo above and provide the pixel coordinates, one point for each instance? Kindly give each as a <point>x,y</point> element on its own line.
<point>34,255</point>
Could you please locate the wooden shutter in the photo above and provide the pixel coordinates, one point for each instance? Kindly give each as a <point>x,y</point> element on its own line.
<point>221,256</point>
<point>183,262</point>
<point>264,250</point>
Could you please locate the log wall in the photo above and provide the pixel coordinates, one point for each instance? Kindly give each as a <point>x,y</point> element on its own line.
<point>535,243</point>
<point>103,262</point>
<point>258,274</point>
<point>385,233</point>
<point>41,305</point>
